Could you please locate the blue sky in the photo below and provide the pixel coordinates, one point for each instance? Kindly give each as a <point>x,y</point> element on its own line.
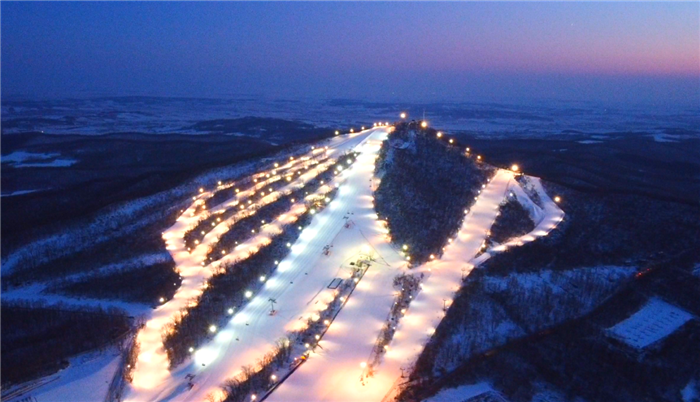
<point>609,52</point>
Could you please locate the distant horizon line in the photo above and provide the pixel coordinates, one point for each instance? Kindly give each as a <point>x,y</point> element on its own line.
<point>512,101</point>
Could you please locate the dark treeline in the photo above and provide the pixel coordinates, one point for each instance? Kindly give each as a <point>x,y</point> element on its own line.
<point>161,278</point>
<point>146,241</point>
<point>512,221</point>
<point>38,339</point>
<point>226,290</point>
<point>426,184</point>
<point>249,380</point>
<point>205,225</point>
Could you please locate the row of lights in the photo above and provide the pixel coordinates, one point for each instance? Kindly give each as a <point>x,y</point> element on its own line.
<point>249,294</point>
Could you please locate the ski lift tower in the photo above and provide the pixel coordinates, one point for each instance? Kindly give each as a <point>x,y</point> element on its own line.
<point>272,306</point>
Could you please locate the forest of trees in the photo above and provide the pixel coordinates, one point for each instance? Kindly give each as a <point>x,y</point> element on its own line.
<point>43,337</point>
<point>162,279</point>
<point>246,227</point>
<point>226,290</point>
<point>512,221</point>
<point>426,185</point>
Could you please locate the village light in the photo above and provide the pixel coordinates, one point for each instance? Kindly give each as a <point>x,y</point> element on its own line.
<point>212,328</point>
<point>557,198</point>
<point>403,115</point>
<point>162,299</point>
<point>273,377</point>
<point>262,278</point>
<point>478,157</point>
<point>201,190</point>
<point>451,140</point>
<point>405,247</point>
<point>424,124</point>
<point>191,349</point>
<point>248,294</point>
<point>515,168</point>
<point>352,130</point>
<point>439,134</point>
<point>230,311</point>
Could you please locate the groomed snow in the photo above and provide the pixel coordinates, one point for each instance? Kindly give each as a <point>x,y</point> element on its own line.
<point>653,322</point>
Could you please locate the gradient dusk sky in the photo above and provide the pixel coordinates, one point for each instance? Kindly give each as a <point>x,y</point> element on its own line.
<point>609,52</point>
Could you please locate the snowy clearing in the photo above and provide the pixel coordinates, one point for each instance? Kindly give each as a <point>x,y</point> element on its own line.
<point>86,379</point>
<point>653,322</point>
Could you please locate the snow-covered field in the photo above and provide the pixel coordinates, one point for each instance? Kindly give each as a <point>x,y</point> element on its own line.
<point>29,159</point>
<point>652,323</point>
<point>461,393</point>
<point>87,379</point>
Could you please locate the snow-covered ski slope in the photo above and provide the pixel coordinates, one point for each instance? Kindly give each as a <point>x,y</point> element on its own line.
<point>223,357</point>
<point>336,373</point>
